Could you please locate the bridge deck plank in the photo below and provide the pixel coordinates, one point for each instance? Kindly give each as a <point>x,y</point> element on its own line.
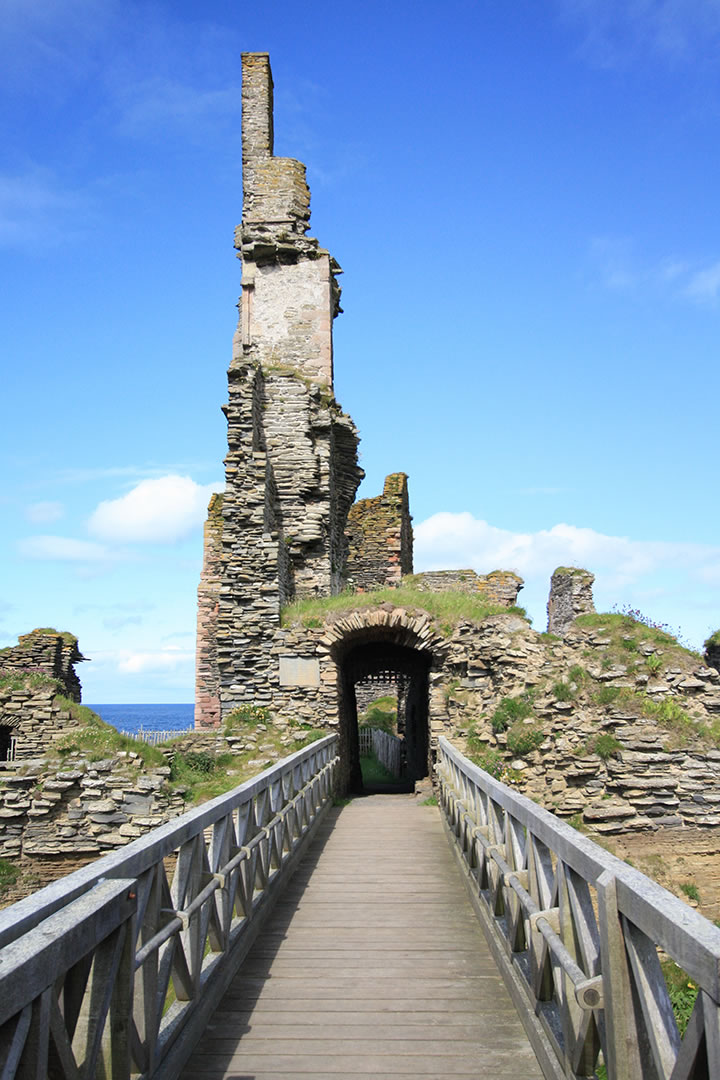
<point>372,965</point>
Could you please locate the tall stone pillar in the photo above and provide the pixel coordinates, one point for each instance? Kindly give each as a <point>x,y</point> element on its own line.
<point>570,596</point>
<point>291,470</point>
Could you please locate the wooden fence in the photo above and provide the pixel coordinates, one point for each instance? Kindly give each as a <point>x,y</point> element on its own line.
<point>155,737</point>
<point>577,934</point>
<point>116,969</point>
<point>387,748</point>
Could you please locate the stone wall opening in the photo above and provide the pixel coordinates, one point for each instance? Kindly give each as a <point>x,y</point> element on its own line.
<point>6,741</point>
<point>378,655</point>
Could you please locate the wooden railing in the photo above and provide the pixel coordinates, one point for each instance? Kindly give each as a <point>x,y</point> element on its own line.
<point>387,748</point>
<point>579,936</point>
<point>116,969</point>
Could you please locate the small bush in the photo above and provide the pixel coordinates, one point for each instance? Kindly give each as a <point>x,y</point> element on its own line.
<point>510,710</point>
<point>606,695</point>
<point>669,715</point>
<point>247,716</point>
<point>654,663</point>
<point>196,761</point>
<point>605,746</point>
<point>691,890</point>
<point>204,775</point>
<point>563,691</point>
<point>524,738</point>
<point>629,644</point>
<point>682,992</point>
<point>490,761</point>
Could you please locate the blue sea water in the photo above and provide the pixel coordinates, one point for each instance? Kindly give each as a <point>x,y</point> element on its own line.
<point>149,717</point>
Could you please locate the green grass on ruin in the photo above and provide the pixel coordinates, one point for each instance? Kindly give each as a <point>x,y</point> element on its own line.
<point>446,609</point>
<point>621,628</point>
<point>92,737</point>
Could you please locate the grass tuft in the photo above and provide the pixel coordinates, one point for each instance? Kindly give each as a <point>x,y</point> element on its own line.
<point>510,710</point>
<point>8,876</point>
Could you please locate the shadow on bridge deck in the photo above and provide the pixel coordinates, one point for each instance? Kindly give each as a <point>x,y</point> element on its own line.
<point>371,965</point>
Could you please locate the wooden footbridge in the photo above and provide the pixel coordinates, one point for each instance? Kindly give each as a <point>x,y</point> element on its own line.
<point>273,934</point>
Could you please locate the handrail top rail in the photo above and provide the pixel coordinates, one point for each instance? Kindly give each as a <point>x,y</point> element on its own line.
<point>680,930</point>
<point>132,859</point>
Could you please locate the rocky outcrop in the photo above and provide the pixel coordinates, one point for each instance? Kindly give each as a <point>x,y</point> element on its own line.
<point>618,731</point>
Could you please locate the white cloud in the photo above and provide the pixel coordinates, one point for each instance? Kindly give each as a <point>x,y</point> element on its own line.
<point>134,663</point>
<point>43,513</point>
<point>618,32</point>
<point>704,285</point>
<point>119,622</point>
<point>450,541</point>
<point>160,510</point>
<point>55,37</point>
<point>162,103</point>
<point>37,211</point>
<point>63,549</point>
<point>621,268</point>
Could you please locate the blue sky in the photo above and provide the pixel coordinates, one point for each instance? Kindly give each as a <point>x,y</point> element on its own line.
<point>524,200</point>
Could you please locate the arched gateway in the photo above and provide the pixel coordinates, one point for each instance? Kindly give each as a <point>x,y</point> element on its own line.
<point>392,646</point>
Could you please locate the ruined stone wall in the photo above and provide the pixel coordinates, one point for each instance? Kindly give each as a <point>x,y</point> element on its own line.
<point>207,684</point>
<point>570,595</point>
<point>33,715</point>
<point>46,652</point>
<point>498,587</point>
<point>290,291</point>
<point>380,539</point>
<point>291,468</point>
<point>648,776</point>
<point>83,808</point>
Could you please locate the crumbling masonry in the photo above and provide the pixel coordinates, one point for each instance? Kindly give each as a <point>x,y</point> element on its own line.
<point>286,527</point>
<point>278,533</point>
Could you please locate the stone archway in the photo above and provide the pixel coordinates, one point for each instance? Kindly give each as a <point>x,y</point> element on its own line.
<point>389,641</point>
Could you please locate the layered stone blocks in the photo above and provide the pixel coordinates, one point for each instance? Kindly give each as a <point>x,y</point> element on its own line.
<point>46,652</point>
<point>291,471</point>
<point>498,587</point>
<point>570,596</point>
<point>380,537</point>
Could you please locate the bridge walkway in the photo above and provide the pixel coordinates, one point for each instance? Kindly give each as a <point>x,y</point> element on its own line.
<point>372,964</point>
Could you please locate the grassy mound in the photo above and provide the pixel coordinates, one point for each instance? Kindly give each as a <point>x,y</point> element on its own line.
<point>446,609</point>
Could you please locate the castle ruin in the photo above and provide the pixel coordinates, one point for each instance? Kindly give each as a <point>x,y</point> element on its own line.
<point>287,526</point>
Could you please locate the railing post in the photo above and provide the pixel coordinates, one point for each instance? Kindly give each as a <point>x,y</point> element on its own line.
<point>622,1053</point>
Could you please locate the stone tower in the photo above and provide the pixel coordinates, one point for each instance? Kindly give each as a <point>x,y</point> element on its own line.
<point>291,470</point>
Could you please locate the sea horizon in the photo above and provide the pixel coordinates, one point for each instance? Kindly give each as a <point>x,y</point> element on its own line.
<point>135,716</point>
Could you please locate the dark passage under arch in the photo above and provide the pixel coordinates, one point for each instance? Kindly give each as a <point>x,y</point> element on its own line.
<point>381,656</point>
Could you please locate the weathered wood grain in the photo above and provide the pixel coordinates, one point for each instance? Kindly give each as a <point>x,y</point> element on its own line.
<point>373,964</point>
